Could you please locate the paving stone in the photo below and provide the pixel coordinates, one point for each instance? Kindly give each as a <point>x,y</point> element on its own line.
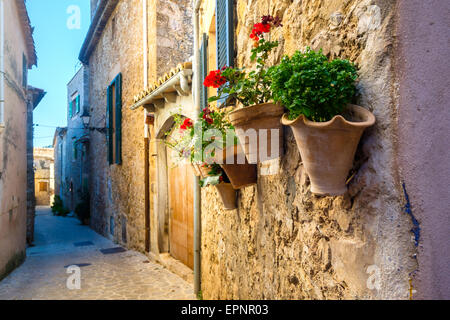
<point>119,276</point>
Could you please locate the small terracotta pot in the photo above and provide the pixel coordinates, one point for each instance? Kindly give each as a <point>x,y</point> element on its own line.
<point>228,195</point>
<point>196,169</point>
<point>200,171</point>
<point>259,117</point>
<point>328,148</point>
<point>240,174</point>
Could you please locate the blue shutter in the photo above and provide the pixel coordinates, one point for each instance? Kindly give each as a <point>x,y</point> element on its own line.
<point>204,71</point>
<point>77,103</point>
<point>224,36</point>
<point>109,121</point>
<point>118,142</point>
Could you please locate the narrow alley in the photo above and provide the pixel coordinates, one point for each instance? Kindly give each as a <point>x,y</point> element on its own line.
<point>62,242</point>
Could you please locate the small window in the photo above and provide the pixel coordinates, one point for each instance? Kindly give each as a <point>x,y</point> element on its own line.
<point>74,106</point>
<point>43,186</point>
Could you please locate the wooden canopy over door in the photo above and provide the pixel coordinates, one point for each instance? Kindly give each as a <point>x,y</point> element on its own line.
<point>181,210</point>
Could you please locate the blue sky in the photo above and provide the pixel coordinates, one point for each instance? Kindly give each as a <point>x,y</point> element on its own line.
<point>57,49</point>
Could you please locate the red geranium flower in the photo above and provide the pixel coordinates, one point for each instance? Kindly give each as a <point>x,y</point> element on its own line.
<point>186,124</point>
<point>214,79</point>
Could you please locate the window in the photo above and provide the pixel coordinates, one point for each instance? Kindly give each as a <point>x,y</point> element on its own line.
<point>77,104</point>
<point>224,36</point>
<point>114,120</point>
<point>24,71</point>
<point>43,186</point>
<point>74,106</point>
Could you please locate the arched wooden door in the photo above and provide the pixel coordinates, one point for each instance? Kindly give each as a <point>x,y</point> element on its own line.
<point>181,210</point>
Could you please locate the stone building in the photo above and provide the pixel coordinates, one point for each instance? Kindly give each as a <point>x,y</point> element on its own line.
<point>59,149</point>
<point>17,56</point>
<point>44,178</point>
<point>35,96</point>
<point>75,183</point>
<point>283,242</point>
<point>130,45</point>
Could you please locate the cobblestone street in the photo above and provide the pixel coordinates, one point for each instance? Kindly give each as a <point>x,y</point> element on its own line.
<point>62,242</point>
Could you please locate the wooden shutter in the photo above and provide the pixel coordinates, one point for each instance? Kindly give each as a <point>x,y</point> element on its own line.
<point>118,113</point>
<point>224,36</point>
<point>77,103</point>
<point>109,121</point>
<point>203,71</point>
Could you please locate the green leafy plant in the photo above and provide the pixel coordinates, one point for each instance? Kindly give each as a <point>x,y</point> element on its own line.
<point>309,84</point>
<point>58,208</point>
<point>252,87</point>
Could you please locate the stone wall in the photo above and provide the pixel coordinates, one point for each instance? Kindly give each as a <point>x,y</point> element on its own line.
<point>76,170</point>
<point>283,242</point>
<point>117,191</point>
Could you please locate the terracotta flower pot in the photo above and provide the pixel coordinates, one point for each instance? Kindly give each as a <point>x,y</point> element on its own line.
<point>200,171</point>
<point>227,194</point>
<point>258,117</point>
<point>328,148</point>
<point>240,174</point>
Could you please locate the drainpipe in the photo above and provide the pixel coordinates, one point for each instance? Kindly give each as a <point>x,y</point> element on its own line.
<point>197,192</point>
<point>2,64</point>
<point>146,129</point>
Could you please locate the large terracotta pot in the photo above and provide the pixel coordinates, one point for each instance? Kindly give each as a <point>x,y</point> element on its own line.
<point>227,194</point>
<point>237,168</point>
<point>328,148</point>
<point>258,117</point>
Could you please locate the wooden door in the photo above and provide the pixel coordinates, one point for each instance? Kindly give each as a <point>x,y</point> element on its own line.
<point>181,211</point>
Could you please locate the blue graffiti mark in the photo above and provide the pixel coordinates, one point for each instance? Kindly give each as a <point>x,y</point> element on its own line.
<point>416,226</point>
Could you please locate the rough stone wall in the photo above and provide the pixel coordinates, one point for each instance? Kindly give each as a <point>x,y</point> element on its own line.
<point>117,191</point>
<point>76,170</point>
<point>31,200</point>
<point>284,242</point>
<point>174,33</point>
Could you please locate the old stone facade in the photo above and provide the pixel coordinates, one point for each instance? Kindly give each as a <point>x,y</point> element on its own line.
<point>118,189</point>
<point>35,96</point>
<point>44,176</point>
<point>17,56</point>
<point>283,242</point>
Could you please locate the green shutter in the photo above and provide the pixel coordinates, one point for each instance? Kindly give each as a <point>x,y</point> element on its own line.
<point>77,103</point>
<point>70,109</point>
<point>224,36</point>
<point>109,121</point>
<point>204,71</point>
<point>118,142</point>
